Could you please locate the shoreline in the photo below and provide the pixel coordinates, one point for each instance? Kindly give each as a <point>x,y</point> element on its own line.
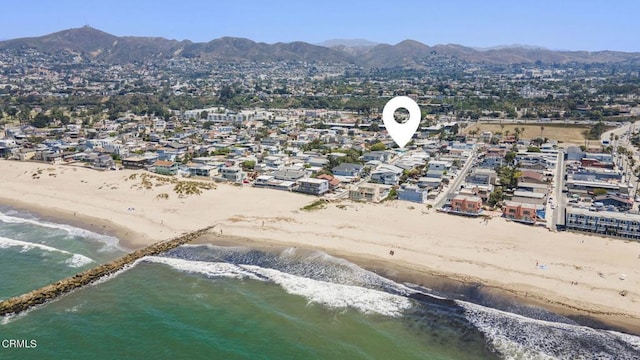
<point>441,284</point>
<point>578,274</point>
<point>82,221</point>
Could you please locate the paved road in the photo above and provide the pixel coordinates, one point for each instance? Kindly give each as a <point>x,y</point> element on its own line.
<point>556,216</point>
<point>625,129</point>
<point>453,186</point>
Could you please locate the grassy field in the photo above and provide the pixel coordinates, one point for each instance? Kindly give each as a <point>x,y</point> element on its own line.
<point>566,133</point>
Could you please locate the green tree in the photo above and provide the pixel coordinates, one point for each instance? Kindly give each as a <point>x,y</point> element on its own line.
<point>41,120</point>
<point>509,176</point>
<point>222,151</point>
<point>379,146</point>
<point>248,165</point>
<point>599,191</point>
<point>496,196</point>
<point>510,157</point>
<point>313,144</point>
<point>517,132</point>
<point>11,111</point>
<point>393,194</point>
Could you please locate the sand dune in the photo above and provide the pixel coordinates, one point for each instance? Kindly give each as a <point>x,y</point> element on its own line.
<point>575,272</point>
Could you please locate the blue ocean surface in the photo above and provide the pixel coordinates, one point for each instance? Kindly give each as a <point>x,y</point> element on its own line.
<point>212,302</point>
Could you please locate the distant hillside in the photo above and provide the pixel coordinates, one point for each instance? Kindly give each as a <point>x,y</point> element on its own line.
<point>93,44</point>
<point>96,44</point>
<point>352,43</point>
<point>512,46</point>
<point>237,48</point>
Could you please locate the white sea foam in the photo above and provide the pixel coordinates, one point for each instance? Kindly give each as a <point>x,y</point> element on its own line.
<point>78,260</point>
<point>316,265</point>
<point>109,241</point>
<point>328,294</point>
<point>7,319</point>
<point>106,278</point>
<point>519,337</point>
<point>75,260</point>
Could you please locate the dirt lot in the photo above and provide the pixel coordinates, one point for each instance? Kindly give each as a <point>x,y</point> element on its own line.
<point>566,133</point>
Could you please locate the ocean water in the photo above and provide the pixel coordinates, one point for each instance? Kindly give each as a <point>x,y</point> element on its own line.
<point>210,302</point>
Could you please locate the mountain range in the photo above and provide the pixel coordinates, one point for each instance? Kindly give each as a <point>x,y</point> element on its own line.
<point>93,44</point>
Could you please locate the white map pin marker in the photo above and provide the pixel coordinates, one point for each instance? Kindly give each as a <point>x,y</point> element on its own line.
<point>401,133</point>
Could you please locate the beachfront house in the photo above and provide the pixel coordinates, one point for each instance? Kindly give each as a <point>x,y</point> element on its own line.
<point>333,181</point>
<point>103,162</point>
<point>201,170</point>
<point>313,186</point>
<point>466,205</point>
<point>268,181</point>
<point>521,212</point>
<point>165,167</point>
<point>369,192</point>
<point>232,174</point>
<point>412,193</point>
<point>263,181</point>
<point>134,163</point>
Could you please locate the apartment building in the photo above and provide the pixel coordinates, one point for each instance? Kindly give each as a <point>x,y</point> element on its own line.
<point>603,222</point>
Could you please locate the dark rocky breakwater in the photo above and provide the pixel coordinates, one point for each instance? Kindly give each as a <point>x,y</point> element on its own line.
<point>40,296</point>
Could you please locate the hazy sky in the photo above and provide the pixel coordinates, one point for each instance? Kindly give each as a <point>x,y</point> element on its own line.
<point>559,24</point>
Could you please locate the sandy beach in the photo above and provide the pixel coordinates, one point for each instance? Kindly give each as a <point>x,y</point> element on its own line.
<point>571,273</point>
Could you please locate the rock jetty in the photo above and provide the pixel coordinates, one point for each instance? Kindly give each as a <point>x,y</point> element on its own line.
<point>40,296</point>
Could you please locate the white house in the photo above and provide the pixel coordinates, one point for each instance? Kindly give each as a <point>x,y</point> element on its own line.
<point>386,174</point>
<point>439,165</point>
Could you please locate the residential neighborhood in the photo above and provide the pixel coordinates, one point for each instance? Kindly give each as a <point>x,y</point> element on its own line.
<point>547,184</point>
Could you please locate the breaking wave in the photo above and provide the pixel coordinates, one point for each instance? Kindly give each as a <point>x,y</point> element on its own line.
<point>74,260</point>
<point>109,241</point>
<point>335,282</point>
<point>331,295</point>
<point>519,337</point>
